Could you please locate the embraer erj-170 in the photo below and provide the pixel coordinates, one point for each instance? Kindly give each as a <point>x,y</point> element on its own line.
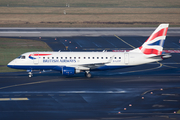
<point>70,63</point>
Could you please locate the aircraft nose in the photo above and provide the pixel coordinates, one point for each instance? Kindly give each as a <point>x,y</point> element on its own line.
<point>10,64</point>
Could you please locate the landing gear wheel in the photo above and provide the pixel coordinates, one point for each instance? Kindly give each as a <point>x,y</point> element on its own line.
<point>88,74</point>
<point>30,76</point>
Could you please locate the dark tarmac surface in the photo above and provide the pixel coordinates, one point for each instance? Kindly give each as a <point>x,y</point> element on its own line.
<point>144,92</point>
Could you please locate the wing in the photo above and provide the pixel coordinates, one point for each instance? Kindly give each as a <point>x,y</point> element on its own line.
<point>93,66</point>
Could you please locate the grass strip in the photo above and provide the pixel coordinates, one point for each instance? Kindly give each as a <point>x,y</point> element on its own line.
<point>10,48</point>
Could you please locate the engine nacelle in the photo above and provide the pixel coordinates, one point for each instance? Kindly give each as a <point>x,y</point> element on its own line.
<point>68,71</point>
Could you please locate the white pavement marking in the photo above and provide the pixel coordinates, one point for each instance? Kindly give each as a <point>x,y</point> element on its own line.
<point>96,44</point>
<point>67,92</point>
<point>79,44</point>
<point>171,100</point>
<point>17,32</point>
<point>176,44</point>
<point>170,94</point>
<point>111,43</point>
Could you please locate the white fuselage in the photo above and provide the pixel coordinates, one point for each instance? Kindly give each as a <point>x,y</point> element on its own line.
<point>79,60</point>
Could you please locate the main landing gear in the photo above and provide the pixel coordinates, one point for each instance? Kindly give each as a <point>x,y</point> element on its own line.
<point>88,74</point>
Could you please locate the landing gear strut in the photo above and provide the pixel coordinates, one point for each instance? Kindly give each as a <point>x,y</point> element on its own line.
<point>87,74</point>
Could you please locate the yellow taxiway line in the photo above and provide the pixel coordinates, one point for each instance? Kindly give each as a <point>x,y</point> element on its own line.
<point>12,99</point>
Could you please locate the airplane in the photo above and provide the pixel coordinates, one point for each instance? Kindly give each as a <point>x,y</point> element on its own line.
<point>70,63</point>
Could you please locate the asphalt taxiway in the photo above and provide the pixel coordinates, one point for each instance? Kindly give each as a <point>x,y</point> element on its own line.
<point>108,95</point>
<point>144,92</point>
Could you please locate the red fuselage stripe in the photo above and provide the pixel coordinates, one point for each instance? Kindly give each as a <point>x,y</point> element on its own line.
<point>39,54</point>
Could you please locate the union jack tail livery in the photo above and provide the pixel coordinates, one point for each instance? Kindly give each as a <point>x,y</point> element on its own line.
<point>154,44</point>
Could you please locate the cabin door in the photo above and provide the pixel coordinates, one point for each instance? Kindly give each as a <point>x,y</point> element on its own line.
<point>126,58</point>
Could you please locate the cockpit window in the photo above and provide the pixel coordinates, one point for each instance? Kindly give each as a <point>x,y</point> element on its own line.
<point>21,57</point>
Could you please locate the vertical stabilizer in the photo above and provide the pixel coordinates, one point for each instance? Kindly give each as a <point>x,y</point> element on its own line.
<point>154,44</point>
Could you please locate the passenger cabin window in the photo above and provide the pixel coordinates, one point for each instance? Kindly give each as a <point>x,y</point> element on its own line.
<point>119,57</point>
<point>61,57</point>
<point>56,57</point>
<point>97,57</point>
<point>69,57</point>
<point>74,57</point>
<point>92,57</point>
<point>114,57</point>
<point>79,57</point>
<point>101,57</point>
<point>84,57</point>
<point>43,57</point>
<point>52,57</point>
<point>65,57</point>
<point>106,57</point>
<point>88,57</point>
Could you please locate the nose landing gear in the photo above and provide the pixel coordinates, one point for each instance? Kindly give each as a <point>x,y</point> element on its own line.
<point>30,73</point>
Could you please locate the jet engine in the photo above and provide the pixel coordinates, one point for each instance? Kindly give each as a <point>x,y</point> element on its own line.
<point>68,71</point>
